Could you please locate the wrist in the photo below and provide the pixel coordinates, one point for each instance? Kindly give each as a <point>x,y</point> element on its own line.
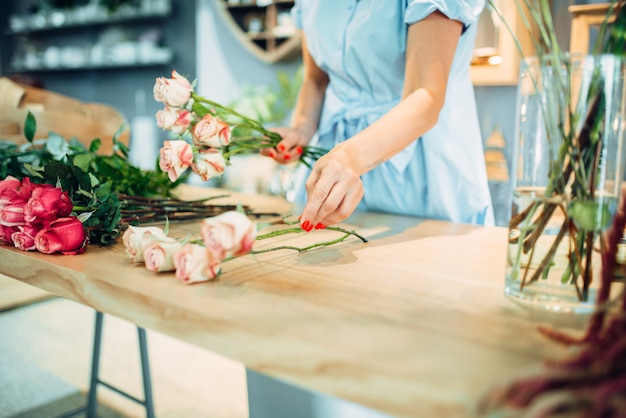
<point>360,162</point>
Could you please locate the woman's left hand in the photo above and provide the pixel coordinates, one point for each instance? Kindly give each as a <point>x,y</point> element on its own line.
<point>334,189</point>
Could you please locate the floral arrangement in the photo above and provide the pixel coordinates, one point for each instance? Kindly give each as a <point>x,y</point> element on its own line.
<point>37,216</point>
<point>105,192</point>
<point>223,237</point>
<point>590,382</point>
<point>216,132</point>
<point>576,128</point>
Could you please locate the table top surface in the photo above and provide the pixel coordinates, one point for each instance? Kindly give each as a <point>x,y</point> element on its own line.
<point>412,323</point>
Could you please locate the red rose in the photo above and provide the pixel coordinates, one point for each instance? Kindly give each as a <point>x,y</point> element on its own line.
<point>6,232</point>
<point>14,191</point>
<point>47,203</point>
<point>65,235</point>
<point>12,215</point>
<point>24,237</point>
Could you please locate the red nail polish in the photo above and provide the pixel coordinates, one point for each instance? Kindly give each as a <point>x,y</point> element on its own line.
<point>286,156</point>
<point>308,227</point>
<point>305,225</point>
<point>272,154</point>
<point>280,147</point>
<point>320,226</point>
<point>299,150</point>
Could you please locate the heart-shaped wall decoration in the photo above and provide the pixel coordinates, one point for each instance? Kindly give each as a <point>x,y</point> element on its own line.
<point>264,27</point>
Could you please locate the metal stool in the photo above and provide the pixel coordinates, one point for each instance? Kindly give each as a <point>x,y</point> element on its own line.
<point>92,402</point>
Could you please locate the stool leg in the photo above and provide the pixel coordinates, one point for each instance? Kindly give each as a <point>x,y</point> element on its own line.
<point>145,372</point>
<point>92,402</point>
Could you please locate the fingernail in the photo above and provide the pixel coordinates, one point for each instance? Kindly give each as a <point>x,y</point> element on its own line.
<point>286,156</point>
<point>308,227</point>
<point>299,150</point>
<point>320,226</point>
<point>280,147</point>
<point>305,225</point>
<point>272,154</point>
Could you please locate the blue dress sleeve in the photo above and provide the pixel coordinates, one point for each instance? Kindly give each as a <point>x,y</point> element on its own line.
<point>465,11</point>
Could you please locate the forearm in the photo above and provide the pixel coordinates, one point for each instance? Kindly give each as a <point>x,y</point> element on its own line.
<point>429,58</point>
<point>306,114</point>
<point>410,119</point>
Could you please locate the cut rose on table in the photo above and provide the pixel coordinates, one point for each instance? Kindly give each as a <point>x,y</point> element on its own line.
<point>37,217</point>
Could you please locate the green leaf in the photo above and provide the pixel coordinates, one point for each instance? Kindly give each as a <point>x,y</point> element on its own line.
<point>590,215</point>
<point>76,146</point>
<point>57,146</point>
<point>34,171</point>
<point>95,145</point>
<point>84,193</point>
<point>83,161</point>
<point>30,127</point>
<point>94,180</point>
<point>83,217</point>
<point>119,131</point>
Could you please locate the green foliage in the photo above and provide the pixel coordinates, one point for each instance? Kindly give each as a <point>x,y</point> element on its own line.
<point>270,104</point>
<point>93,181</point>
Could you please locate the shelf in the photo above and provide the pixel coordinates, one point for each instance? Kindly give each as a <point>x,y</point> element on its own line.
<point>46,43</point>
<point>113,66</point>
<point>504,69</point>
<point>264,28</point>
<point>92,22</point>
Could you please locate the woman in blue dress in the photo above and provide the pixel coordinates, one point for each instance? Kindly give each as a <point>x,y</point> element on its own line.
<point>387,89</point>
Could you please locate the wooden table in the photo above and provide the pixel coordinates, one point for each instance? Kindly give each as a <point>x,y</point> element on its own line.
<point>412,323</point>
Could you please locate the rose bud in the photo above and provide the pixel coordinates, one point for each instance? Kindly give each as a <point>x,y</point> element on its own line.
<point>208,164</point>
<point>195,264</point>
<point>47,204</point>
<point>174,92</point>
<point>230,234</point>
<point>132,239</point>
<point>176,157</point>
<point>65,235</point>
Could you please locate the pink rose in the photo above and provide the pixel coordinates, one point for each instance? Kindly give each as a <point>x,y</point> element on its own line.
<point>6,233</point>
<point>211,132</point>
<point>166,118</point>
<point>12,215</point>
<point>24,237</point>
<point>174,92</point>
<point>159,255</point>
<point>14,191</point>
<point>230,234</point>
<point>174,120</point>
<point>65,235</point>
<point>132,239</point>
<point>208,164</point>
<point>47,203</point>
<point>195,264</point>
<point>176,157</point>
<point>9,191</point>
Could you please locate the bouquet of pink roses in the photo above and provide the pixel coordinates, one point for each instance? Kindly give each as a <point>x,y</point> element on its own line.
<point>211,127</point>
<point>37,217</point>
<point>230,234</point>
<point>223,237</point>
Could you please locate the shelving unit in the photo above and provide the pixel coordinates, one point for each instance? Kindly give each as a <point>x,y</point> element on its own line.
<point>502,69</point>
<point>264,28</point>
<point>100,21</point>
<point>69,40</point>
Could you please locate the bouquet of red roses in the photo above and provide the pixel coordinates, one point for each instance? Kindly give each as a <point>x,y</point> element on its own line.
<point>38,217</point>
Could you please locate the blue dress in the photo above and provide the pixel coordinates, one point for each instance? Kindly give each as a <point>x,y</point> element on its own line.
<point>361,45</point>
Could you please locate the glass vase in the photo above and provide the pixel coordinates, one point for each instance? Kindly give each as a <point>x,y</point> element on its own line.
<point>568,167</point>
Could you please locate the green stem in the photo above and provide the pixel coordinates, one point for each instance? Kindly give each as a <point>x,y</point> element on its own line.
<point>302,249</point>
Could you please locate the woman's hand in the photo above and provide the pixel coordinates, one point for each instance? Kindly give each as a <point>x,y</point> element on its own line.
<point>334,189</point>
<point>290,148</point>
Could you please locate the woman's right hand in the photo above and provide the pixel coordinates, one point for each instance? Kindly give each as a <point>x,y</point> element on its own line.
<point>290,148</point>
